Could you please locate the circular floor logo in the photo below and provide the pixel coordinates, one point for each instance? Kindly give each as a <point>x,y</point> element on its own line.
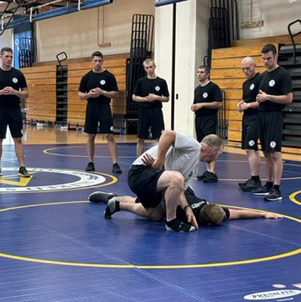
<point>71,180</point>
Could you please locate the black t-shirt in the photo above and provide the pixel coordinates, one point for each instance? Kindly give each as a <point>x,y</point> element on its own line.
<point>145,86</point>
<point>250,91</point>
<point>13,78</point>
<point>276,82</point>
<point>196,208</point>
<point>104,80</point>
<point>207,94</point>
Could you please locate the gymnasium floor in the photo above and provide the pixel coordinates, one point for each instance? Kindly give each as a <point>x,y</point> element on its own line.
<point>56,246</point>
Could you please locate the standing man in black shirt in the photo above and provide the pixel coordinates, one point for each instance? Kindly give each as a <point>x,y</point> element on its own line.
<point>207,100</point>
<point>150,92</point>
<point>98,86</point>
<point>275,91</point>
<point>250,124</point>
<point>13,88</point>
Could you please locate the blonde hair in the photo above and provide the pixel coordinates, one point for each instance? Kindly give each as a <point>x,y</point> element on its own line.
<point>212,214</point>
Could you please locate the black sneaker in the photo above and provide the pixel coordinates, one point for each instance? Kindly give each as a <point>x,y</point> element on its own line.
<point>210,178</point>
<point>99,196</point>
<point>23,172</point>
<point>111,208</point>
<point>178,226</point>
<point>203,176</point>
<point>116,169</point>
<point>262,191</point>
<point>90,167</point>
<point>252,185</point>
<point>0,173</point>
<point>242,184</point>
<point>274,195</point>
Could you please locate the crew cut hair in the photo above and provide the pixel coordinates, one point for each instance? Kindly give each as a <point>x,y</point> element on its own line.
<point>8,49</point>
<point>97,54</point>
<point>269,47</point>
<point>206,68</point>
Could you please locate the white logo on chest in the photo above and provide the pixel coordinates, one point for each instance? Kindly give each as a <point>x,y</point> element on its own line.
<point>272,83</point>
<point>15,80</point>
<point>252,86</point>
<point>102,82</point>
<point>205,95</point>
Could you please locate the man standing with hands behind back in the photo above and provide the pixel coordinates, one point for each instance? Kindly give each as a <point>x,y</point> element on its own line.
<point>150,92</point>
<point>98,86</point>
<point>13,88</point>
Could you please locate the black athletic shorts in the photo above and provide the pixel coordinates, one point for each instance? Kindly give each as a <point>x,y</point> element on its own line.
<point>97,113</point>
<point>12,117</point>
<point>271,124</point>
<point>205,125</point>
<point>250,132</point>
<point>150,118</point>
<point>143,181</point>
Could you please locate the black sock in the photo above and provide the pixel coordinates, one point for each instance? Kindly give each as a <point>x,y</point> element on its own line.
<point>269,184</point>
<point>277,187</point>
<point>172,222</point>
<point>256,178</point>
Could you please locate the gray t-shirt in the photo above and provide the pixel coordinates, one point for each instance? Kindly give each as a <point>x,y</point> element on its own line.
<point>183,157</point>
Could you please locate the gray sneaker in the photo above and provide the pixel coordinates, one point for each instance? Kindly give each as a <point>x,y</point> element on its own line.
<point>262,191</point>
<point>23,172</point>
<point>252,185</point>
<point>274,195</point>
<point>90,167</point>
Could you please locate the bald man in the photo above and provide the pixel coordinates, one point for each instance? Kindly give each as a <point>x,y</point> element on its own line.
<point>250,124</point>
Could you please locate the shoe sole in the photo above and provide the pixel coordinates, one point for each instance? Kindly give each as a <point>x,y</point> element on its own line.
<point>274,199</point>
<point>24,176</point>
<point>248,189</point>
<point>260,194</point>
<point>170,229</point>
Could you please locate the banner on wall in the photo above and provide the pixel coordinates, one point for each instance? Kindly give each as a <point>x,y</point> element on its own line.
<point>23,45</point>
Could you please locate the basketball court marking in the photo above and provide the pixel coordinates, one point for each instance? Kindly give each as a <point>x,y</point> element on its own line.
<point>293,198</point>
<point>133,266</point>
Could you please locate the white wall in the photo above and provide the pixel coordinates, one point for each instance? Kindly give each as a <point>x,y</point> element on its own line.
<point>276,15</point>
<point>76,33</point>
<point>6,39</point>
<point>191,47</point>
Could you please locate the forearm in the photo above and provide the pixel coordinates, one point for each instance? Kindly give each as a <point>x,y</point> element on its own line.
<point>166,140</point>
<point>22,94</point>
<point>163,98</point>
<point>211,105</point>
<point>83,96</point>
<point>280,99</point>
<point>110,94</point>
<point>244,214</point>
<point>137,98</point>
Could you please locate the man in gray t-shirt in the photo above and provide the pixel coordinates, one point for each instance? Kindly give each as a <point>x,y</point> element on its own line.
<point>160,176</point>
